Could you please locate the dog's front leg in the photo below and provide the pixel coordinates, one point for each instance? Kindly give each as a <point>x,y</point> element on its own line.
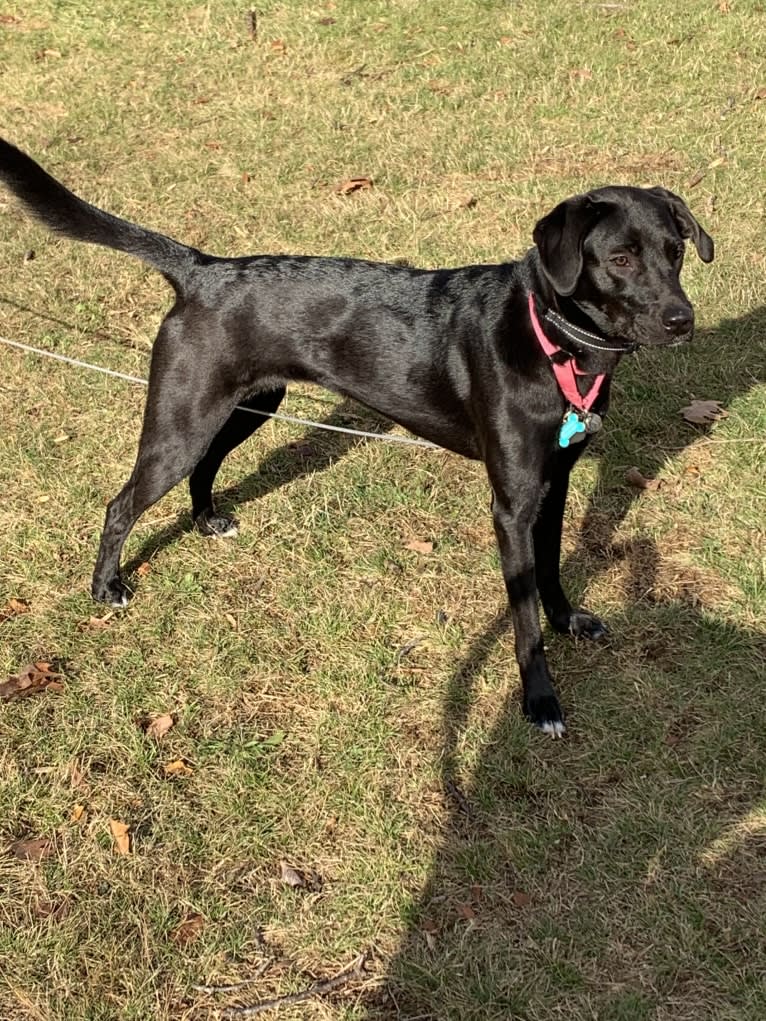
<point>563,617</point>
<point>513,517</point>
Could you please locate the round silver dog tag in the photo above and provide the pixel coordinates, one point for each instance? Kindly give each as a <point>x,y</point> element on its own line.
<point>593,422</point>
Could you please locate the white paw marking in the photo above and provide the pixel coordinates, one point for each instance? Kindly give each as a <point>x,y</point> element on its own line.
<point>229,533</point>
<point>555,728</point>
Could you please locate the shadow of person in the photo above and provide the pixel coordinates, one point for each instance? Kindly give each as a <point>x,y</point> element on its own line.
<point>315,451</point>
<point>619,874</point>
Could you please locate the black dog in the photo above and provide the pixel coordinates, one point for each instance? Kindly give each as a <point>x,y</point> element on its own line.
<point>509,364</point>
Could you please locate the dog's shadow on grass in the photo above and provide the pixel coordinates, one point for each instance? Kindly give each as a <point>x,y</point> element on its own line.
<point>618,874</point>
<point>316,450</point>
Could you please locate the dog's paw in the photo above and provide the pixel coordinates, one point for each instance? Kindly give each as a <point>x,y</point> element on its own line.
<point>113,593</point>
<point>585,625</point>
<point>545,713</point>
<point>217,526</point>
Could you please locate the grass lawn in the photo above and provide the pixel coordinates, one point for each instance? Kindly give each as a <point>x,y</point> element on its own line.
<point>347,768</point>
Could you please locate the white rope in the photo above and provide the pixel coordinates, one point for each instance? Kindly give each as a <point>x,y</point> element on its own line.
<point>386,437</point>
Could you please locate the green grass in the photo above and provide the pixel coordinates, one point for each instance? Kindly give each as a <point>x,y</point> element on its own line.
<point>347,705</point>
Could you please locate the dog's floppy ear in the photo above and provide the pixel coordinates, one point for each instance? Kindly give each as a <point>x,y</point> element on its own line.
<point>559,238</point>
<point>687,224</point>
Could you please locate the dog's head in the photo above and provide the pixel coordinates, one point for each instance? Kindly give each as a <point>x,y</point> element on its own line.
<point>617,253</point>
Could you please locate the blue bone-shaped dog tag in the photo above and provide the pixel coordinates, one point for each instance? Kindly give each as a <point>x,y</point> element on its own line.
<point>570,427</point>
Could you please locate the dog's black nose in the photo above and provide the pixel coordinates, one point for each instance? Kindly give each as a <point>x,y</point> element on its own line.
<point>678,320</point>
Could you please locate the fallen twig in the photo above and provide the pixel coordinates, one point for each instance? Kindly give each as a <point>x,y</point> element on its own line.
<point>355,970</point>
<point>461,801</point>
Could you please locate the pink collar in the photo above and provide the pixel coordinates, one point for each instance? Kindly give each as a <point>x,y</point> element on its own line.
<point>565,372</point>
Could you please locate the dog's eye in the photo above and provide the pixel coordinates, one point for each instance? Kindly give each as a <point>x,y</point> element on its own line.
<point>620,260</point>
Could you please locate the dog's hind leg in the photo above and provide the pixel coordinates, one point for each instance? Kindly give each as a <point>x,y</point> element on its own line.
<point>186,409</point>
<point>240,426</point>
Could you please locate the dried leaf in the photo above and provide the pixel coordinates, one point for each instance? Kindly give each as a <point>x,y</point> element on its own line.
<point>466,911</point>
<point>290,876</point>
<point>78,814</point>
<point>159,726</point>
<point>695,179</point>
<point>56,909</point>
<point>31,680</point>
<point>143,569</point>
<point>76,778</point>
<point>760,93</point>
<point>177,768</point>
<point>520,899</point>
<point>438,87</point>
<point>279,45</point>
<point>419,546</point>
<point>353,184</point>
<point>189,929</point>
<point>468,202</point>
<point>97,623</point>
<point>120,835</point>
<point>704,412</point>
<point>430,928</point>
<point>302,448</point>
<point>32,849</point>
<point>634,478</point>
<point>13,608</point>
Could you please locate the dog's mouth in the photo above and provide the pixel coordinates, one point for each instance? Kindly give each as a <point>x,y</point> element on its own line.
<point>658,335</point>
<point>667,340</point>
<point>679,341</point>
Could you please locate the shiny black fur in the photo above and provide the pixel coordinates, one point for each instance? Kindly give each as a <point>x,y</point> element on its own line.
<point>449,354</point>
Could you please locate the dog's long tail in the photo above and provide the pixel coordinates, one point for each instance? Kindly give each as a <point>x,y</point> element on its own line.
<point>62,211</point>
